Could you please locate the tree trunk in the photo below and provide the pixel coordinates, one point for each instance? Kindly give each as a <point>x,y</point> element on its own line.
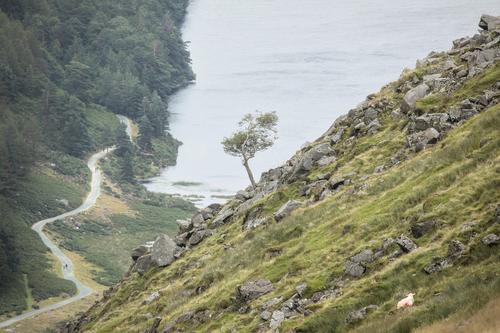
<point>249,172</point>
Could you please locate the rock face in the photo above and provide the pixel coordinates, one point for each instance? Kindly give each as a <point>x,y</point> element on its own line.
<point>287,209</point>
<point>412,96</point>
<point>254,289</point>
<point>163,251</point>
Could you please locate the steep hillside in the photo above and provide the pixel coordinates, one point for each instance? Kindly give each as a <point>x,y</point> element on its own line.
<point>400,195</point>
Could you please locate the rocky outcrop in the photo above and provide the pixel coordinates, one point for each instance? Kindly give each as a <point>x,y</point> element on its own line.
<point>287,209</point>
<point>253,289</point>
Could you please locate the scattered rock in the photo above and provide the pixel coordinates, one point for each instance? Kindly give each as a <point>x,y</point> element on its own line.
<point>437,265</point>
<point>254,289</point>
<point>455,249</point>
<point>184,225</point>
<point>421,139</point>
<point>406,244</point>
<point>287,209</point>
<point>421,228</point>
<point>354,269</point>
<point>140,251</point>
<point>491,239</point>
<point>265,315</point>
<point>163,250</point>
<point>358,315</point>
<point>277,319</point>
<point>198,236</point>
<point>412,96</point>
<point>222,217</point>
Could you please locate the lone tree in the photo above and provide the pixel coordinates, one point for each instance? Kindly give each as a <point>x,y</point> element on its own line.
<point>257,132</point>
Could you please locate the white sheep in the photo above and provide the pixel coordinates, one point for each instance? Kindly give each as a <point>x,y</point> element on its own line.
<point>406,302</point>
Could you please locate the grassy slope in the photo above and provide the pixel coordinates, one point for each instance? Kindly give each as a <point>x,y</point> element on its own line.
<point>453,182</point>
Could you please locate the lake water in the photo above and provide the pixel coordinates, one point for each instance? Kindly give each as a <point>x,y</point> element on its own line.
<point>310,61</point>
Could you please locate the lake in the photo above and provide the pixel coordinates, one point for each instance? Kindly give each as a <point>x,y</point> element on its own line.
<point>310,61</point>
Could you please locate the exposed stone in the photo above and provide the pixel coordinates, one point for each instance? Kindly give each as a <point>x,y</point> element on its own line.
<point>265,315</point>
<point>455,249</point>
<point>338,135</point>
<point>287,209</point>
<point>151,298</point>
<point>437,265</point>
<point>184,225</point>
<point>198,236</point>
<point>301,288</point>
<point>277,319</point>
<point>488,22</point>
<point>491,239</point>
<point>143,264</point>
<point>325,294</point>
<point>358,315</point>
<point>272,302</point>
<point>163,250</point>
<point>421,228</point>
<point>197,220</point>
<point>139,252</point>
<point>354,269</point>
<point>254,289</point>
<point>222,217</point>
<point>364,257</point>
<point>379,169</point>
<point>421,139</point>
<point>335,182</point>
<point>371,114</point>
<point>182,239</point>
<point>412,96</point>
<point>406,244</point>
<point>324,161</point>
<point>311,156</point>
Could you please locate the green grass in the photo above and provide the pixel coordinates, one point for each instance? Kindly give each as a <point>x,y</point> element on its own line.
<point>107,244</point>
<point>454,182</point>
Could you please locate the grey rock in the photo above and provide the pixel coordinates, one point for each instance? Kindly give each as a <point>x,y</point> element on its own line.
<point>301,288</point>
<point>437,265</point>
<point>354,269</point>
<point>420,140</point>
<point>139,252</point>
<point>277,319</point>
<point>324,161</point>
<point>337,136</point>
<point>253,219</point>
<point>151,298</point>
<point>265,315</point>
<point>198,236</point>
<point>358,315</point>
<point>491,239</point>
<point>455,249</point>
<point>143,264</point>
<point>412,96</point>
<point>336,182</point>
<point>184,225</point>
<point>163,251</point>
<point>254,289</point>
<point>371,114</point>
<point>421,228</point>
<point>312,156</point>
<point>364,257</point>
<point>488,22</point>
<point>197,220</point>
<point>325,294</point>
<point>438,121</point>
<point>379,169</point>
<point>287,209</point>
<point>182,239</point>
<point>223,216</point>
<point>406,244</point>
<point>272,302</point>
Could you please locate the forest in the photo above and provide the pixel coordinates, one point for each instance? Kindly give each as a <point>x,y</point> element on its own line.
<point>61,63</point>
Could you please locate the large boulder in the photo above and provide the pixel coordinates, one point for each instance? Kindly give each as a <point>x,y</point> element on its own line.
<point>222,216</point>
<point>438,121</point>
<point>163,251</point>
<point>489,22</point>
<point>418,141</point>
<point>413,96</point>
<point>140,251</point>
<point>287,209</point>
<point>311,156</point>
<point>254,289</point>
<point>277,319</point>
<point>356,265</point>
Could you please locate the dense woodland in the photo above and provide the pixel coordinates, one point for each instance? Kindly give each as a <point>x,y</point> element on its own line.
<point>60,61</point>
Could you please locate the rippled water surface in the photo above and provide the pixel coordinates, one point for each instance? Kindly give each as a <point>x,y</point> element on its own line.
<point>310,61</point>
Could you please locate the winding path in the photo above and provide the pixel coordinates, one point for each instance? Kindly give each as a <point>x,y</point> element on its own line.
<point>68,272</point>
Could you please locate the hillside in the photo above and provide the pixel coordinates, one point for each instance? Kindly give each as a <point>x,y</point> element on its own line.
<point>400,195</point>
<point>67,68</point>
